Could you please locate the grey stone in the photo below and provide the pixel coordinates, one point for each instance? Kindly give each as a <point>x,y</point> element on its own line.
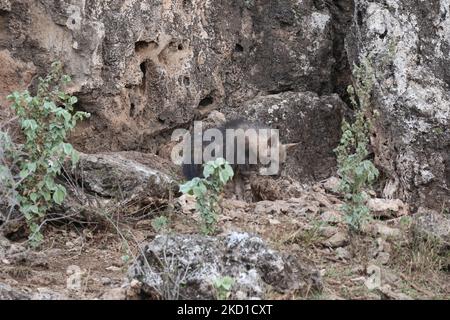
<point>196,262</point>
<point>409,46</point>
<point>339,239</point>
<point>311,120</point>
<point>115,175</point>
<point>433,224</point>
<point>8,293</point>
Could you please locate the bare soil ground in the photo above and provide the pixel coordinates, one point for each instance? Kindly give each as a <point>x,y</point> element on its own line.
<point>406,267</point>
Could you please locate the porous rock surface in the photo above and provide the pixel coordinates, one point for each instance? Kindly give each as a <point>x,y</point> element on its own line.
<point>144,68</point>
<point>197,262</point>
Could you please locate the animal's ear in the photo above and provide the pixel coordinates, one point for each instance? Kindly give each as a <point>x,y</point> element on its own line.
<point>290,146</point>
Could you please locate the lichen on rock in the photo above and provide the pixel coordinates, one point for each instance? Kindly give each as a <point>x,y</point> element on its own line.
<point>186,266</point>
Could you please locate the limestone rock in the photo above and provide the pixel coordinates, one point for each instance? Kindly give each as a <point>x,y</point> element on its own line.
<point>304,117</point>
<point>331,184</point>
<point>48,294</point>
<point>339,239</point>
<point>344,254</point>
<point>142,68</point>
<point>198,261</point>
<point>387,232</point>
<point>409,47</point>
<point>387,208</point>
<point>332,217</point>
<point>434,224</point>
<point>115,294</point>
<point>8,293</point>
<point>74,278</point>
<point>115,175</point>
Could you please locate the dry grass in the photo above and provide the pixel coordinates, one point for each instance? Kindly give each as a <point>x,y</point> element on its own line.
<point>415,261</point>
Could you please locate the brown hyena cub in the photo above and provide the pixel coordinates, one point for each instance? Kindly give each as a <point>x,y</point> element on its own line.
<point>249,147</point>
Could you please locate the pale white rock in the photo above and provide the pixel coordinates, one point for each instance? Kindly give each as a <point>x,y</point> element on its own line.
<point>387,207</point>
<point>74,279</point>
<point>332,217</point>
<point>339,239</point>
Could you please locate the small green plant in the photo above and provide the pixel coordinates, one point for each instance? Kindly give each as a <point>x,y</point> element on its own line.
<point>356,171</point>
<point>45,119</point>
<point>207,191</point>
<point>160,223</point>
<point>405,221</point>
<point>223,287</point>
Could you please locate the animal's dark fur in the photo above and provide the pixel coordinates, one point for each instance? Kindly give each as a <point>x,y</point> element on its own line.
<point>191,170</point>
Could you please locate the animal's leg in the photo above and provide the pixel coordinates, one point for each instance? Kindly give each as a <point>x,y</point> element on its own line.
<point>238,188</point>
<point>248,193</point>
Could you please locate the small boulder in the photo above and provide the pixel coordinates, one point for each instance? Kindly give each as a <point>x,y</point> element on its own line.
<point>124,174</point>
<point>332,217</point>
<point>387,208</point>
<point>343,254</point>
<point>189,266</point>
<point>339,239</point>
<point>387,232</point>
<point>115,294</point>
<point>331,184</point>
<point>327,231</point>
<point>293,206</point>
<point>9,293</point>
<point>74,279</point>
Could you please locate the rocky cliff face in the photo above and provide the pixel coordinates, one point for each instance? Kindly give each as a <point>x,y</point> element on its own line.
<point>143,68</point>
<point>409,45</point>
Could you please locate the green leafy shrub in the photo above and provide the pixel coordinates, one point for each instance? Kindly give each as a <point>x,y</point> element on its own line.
<point>45,119</point>
<point>207,191</point>
<point>223,287</point>
<point>356,171</point>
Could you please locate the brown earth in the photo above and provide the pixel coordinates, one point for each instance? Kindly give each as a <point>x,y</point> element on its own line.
<point>308,227</point>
